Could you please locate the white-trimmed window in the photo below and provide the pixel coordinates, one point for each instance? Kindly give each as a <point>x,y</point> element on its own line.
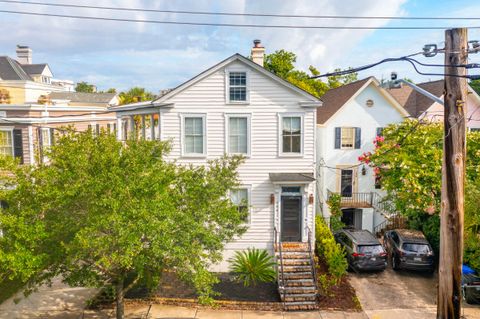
<point>194,135</point>
<point>46,140</point>
<point>291,134</point>
<point>237,87</point>
<point>238,139</point>
<point>348,138</point>
<point>6,142</point>
<point>240,197</point>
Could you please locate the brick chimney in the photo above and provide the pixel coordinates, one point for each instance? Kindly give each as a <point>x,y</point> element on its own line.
<point>24,54</point>
<point>258,52</point>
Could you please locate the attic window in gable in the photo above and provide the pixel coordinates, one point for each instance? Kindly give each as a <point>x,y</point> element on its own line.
<point>237,86</point>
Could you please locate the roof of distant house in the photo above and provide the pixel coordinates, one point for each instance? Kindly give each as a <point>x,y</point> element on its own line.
<point>334,99</point>
<point>82,97</point>
<point>33,69</point>
<point>12,70</point>
<point>414,102</point>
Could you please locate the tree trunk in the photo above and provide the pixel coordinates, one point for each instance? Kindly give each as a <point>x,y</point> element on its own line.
<point>119,297</point>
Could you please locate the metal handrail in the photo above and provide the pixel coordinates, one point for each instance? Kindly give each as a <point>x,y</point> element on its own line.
<point>278,244</point>
<point>312,262</point>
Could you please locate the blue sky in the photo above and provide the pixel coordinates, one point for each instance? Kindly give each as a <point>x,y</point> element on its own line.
<point>122,55</point>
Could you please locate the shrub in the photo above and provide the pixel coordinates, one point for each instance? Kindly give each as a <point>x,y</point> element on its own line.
<point>333,203</point>
<point>331,252</point>
<point>253,266</point>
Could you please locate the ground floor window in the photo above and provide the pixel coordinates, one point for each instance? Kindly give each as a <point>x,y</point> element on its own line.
<point>6,142</point>
<point>240,198</point>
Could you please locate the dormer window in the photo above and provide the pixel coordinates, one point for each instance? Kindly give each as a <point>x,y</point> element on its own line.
<point>237,87</point>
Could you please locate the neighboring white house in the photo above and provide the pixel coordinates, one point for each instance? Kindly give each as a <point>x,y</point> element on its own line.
<point>421,106</point>
<point>238,107</point>
<point>350,119</point>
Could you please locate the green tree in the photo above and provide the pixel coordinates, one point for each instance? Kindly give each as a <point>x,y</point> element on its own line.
<point>103,213</point>
<point>282,63</point>
<point>85,87</point>
<point>408,159</point>
<point>134,95</point>
<point>475,84</point>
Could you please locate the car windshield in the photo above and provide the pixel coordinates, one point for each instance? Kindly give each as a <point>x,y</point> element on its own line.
<point>370,249</point>
<point>416,248</point>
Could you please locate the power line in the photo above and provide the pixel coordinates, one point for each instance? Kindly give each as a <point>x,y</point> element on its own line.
<point>248,14</point>
<point>275,26</point>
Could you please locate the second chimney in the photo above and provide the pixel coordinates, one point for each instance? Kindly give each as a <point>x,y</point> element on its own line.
<point>258,52</point>
<point>24,54</point>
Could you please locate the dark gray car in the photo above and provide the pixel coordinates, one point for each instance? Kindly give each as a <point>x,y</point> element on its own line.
<point>364,251</point>
<point>409,249</point>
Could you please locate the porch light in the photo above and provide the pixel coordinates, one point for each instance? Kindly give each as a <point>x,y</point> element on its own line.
<point>310,199</point>
<point>272,199</point>
<point>364,170</point>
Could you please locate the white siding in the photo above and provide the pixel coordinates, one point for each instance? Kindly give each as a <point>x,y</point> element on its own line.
<point>354,114</point>
<point>267,99</point>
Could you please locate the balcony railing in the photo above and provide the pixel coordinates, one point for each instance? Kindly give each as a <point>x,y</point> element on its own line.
<point>359,200</point>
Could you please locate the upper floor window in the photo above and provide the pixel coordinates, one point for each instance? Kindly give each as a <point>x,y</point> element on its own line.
<point>380,131</point>
<point>6,142</point>
<point>194,135</point>
<point>237,88</point>
<point>238,135</point>
<point>292,134</point>
<point>347,138</point>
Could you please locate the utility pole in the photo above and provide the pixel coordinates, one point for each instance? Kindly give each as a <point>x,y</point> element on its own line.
<point>453,176</point>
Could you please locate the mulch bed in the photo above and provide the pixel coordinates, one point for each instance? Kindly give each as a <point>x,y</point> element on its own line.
<point>234,296</point>
<point>339,297</point>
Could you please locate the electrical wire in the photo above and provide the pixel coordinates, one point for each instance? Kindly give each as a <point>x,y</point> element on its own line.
<point>235,13</point>
<point>275,26</point>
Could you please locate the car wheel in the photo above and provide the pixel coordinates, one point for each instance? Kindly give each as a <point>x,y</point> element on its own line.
<point>395,264</point>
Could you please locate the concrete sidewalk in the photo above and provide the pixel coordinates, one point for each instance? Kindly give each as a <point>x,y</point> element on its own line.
<point>173,312</point>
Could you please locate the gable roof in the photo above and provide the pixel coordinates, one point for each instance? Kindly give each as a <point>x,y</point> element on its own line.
<point>414,102</point>
<point>12,70</point>
<point>34,69</point>
<point>82,97</point>
<point>334,99</point>
<point>223,63</point>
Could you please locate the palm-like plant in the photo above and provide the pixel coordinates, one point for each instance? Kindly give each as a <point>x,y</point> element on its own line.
<point>253,266</point>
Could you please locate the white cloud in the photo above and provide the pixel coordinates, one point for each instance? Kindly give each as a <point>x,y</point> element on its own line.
<point>158,56</point>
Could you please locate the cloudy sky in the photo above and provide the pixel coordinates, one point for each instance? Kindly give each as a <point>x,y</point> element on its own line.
<point>158,56</point>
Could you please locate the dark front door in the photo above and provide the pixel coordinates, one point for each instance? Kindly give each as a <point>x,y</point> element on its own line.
<point>291,218</point>
<point>346,183</point>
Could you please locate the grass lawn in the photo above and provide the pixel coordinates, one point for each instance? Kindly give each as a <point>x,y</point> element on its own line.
<point>8,288</point>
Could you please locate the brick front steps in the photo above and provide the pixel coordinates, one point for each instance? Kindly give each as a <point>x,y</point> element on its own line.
<point>296,284</point>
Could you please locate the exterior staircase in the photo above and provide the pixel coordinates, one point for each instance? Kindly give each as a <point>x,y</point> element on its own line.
<point>297,282</point>
<point>393,221</point>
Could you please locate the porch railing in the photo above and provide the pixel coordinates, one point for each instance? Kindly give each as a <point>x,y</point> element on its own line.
<point>312,262</point>
<point>280,274</point>
<point>355,199</point>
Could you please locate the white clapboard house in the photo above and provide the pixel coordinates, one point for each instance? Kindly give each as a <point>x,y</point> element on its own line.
<point>238,107</point>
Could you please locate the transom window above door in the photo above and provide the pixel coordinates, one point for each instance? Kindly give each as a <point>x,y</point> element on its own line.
<point>237,87</point>
<point>291,134</point>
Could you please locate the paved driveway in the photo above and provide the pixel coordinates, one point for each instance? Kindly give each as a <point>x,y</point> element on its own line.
<point>401,294</point>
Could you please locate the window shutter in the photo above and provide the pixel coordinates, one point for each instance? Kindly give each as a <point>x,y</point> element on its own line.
<point>18,144</point>
<point>338,137</point>
<point>358,137</point>
<point>52,136</point>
